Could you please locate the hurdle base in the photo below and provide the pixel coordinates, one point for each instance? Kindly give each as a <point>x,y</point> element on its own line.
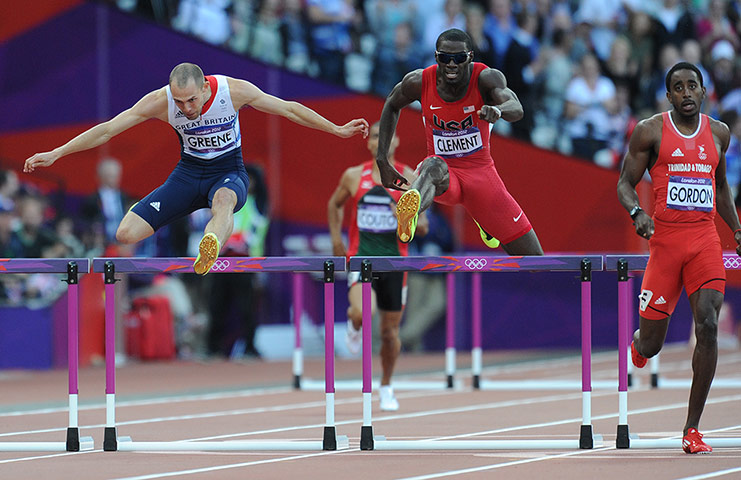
<point>630,379</point>
<point>623,437</point>
<point>450,381</point>
<point>297,382</point>
<point>654,380</point>
<point>476,382</point>
<point>110,441</point>
<point>329,441</point>
<point>366,437</point>
<point>586,439</point>
<point>73,439</point>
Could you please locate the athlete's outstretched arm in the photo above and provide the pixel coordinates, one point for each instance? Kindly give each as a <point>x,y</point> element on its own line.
<point>494,90</point>
<point>152,105</point>
<point>403,94</point>
<point>724,201</point>
<point>246,93</point>
<point>634,165</point>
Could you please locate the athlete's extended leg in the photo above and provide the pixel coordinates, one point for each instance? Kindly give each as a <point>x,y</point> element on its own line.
<point>390,343</point>
<point>133,228</point>
<point>354,337</point>
<point>217,230</point>
<point>705,305</point>
<point>433,180</point>
<point>527,244</point>
<point>390,348</point>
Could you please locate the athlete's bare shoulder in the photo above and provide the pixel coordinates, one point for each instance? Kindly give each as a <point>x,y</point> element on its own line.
<point>721,132</point>
<point>490,78</point>
<point>152,105</point>
<point>411,85</point>
<point>243,92</point>
<point>648,130</point>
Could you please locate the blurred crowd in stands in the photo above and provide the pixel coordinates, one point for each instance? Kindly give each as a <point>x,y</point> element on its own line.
<point>585,70</point>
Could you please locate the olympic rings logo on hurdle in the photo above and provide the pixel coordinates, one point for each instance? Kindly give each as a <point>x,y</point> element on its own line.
<point>220,265</point>
<point>732,263</point>
<point>475,263</point>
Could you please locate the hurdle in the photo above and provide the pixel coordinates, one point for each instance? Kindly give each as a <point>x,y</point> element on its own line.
<point>308,384</point>
<point>623,264</point>
<point>72,267</point>
<point>327,265</point>
<point>479,264</point>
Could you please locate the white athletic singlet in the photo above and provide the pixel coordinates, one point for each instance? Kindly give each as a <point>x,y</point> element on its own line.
<point>216,131</point>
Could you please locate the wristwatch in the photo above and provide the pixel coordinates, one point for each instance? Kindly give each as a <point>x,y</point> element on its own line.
<point>635,211</point>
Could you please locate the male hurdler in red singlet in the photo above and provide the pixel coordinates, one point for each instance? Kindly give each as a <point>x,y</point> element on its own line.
<point>684,152</point>
<point>459,100</point>
<point>204,112</point>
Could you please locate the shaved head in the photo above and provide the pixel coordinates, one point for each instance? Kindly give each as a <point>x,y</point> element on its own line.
<point>185,71</point>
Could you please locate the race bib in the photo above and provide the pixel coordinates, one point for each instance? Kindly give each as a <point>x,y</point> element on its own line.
<point>456,143</point>
<point>687,193</point>
<point>217,138</point>
<point>376,218</point>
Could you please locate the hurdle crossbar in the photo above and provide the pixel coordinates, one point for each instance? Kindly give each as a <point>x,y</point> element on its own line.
<point>72,267</point>
<point>624,264</point>
<point>327,265</point>
<point>477,264</point>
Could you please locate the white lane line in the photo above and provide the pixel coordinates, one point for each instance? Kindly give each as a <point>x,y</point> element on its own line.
<point>451,473</point>
<point>194,471</point>
<point>40,457</point>
<point>194,397</point>
<point>719,473</point>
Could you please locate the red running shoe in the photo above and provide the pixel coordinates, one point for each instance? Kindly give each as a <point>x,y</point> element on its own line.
<point>638,360</point>
<point>692,442</point>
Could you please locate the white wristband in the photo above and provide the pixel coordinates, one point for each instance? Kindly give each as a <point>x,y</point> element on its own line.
<point>499,112</point>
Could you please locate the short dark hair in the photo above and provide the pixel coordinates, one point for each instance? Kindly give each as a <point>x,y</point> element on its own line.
<point>184,72</point>
<point>455,35</point>
<point>682,66</point>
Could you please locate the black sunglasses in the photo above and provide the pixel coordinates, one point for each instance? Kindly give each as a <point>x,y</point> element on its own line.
<point>458,58</point>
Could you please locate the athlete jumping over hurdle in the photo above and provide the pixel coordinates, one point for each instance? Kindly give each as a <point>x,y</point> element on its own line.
<point>372,232</point>
<point>204,111</point>
<point>459,99</point>
<point>685,153</point>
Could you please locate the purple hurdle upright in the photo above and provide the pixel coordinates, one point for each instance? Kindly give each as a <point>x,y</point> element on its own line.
<point>110,266</point>
<point>476,265</point>
<point>72,267</point>
<point>298,311</point>
<point>450,351</point>
<point>476,350</point>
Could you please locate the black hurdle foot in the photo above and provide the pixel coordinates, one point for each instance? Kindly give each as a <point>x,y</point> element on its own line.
<point>623,437</point>
<point>654,380</point>
<point>476,382</point>
<point>450,381</point>
<point>110,441</point>
<point>366,437</point>
<point>586,440</point>
<point>297,382</point>
<point>73,439</point>
<point>329,441</point>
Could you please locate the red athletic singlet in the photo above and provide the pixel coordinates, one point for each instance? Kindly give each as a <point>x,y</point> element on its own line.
<point>684,174</point>
<point>455,133</point>
<point>372,229</point>
<point>685,249</point>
